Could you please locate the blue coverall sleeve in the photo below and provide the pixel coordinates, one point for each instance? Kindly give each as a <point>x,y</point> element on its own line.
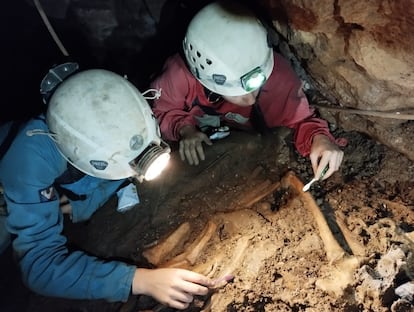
<point>98,192</point>
<point>27,173</point>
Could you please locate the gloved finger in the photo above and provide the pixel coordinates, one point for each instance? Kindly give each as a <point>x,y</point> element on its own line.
<point>200,151</point>
<point>193,153</point>
<point>324,162</point>
<point>182,150</point>
<point>314,161</point>
<point>188,155</point>
<point>328,173</point>
<point>339,160</point>
<point>207,140</point>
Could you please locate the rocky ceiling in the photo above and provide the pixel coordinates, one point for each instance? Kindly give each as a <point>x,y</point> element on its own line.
<point>356,56</point>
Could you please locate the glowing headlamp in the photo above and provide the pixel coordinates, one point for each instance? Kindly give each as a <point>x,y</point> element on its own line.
<point>151,162</point>
<point>253,80</point>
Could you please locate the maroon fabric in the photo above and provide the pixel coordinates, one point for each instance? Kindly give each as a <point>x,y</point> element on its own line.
<point>281,101</point>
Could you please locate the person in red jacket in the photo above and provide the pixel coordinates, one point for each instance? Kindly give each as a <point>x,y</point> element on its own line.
<point>231,77</point>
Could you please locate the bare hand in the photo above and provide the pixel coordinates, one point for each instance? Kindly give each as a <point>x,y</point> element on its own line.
<point>191,144</point>
<point>324,152</point>
<point>173,287</point>
<point>65,205</point>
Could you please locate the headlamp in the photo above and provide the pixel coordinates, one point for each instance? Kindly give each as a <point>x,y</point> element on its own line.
<point>151,162</point>
<point>253,80</point>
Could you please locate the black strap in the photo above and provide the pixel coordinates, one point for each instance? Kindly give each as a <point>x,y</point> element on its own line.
<point>213,97</point>
<point>13,131</point>
<point>257,119</point>
<point>71,175</point>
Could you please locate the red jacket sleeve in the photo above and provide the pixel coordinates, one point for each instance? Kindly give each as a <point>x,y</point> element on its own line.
<point>284,103</point>
<point>178,89</point>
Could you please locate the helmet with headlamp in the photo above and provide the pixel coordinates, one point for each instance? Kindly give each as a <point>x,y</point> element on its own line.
<point>227,50</point>
<point>104,127</point>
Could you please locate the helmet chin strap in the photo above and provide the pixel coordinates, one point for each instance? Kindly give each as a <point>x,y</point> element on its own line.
<point>212,97</point>
<point>41,132</point>
<point>156,96</point>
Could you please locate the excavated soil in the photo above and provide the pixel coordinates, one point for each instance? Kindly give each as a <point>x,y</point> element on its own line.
<point>240,213</point>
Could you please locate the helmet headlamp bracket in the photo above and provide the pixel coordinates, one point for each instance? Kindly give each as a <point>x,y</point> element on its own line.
<point>54,78</point>
<point>253,80</point>
<point>142,163</point>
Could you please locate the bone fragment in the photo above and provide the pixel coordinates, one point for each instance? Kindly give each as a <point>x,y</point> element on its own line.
<point>406,291</point>
<point>157,254</point>
<point>339,274</point>
<point>193,251</point>
<point>332,248</point>
<point>253,191</point>
<point>356,247</point>
<point>410,236</point>
<point>259,192</point>
<point>255,173</point>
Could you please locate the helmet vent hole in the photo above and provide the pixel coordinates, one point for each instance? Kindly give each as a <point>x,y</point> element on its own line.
<point>193,58</point>
<point>198,54</point>
<point>209,62</point>
<point>201,66</point>
<point>191,47</point>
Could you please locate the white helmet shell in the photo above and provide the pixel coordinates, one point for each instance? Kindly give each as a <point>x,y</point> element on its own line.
<point>224,43</point>
<point>101,123</point>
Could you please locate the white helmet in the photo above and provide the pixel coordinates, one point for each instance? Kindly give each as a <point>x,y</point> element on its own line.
<point>227,50</point>
<point>104,127</point>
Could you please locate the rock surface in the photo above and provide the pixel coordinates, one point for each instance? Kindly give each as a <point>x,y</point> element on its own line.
<point>358,55</point>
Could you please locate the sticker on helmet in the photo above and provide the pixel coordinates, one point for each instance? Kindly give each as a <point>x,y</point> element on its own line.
<point>99,164</point>
<point>219,79</point>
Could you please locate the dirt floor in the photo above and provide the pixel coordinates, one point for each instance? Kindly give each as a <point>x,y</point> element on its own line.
<point>346,245</point>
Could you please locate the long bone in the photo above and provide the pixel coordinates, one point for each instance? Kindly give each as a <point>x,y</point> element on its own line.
<point>332,248</point>
<point>189,257</point>
<point>356,247</point>
<point>157,254</point>
<point>342,266</point>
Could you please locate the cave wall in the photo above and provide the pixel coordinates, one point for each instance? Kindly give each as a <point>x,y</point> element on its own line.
<point>359,50</point>
<point>359,55</point>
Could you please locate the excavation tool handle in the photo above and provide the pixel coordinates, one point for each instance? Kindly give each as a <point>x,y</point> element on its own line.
<point>308,185</point>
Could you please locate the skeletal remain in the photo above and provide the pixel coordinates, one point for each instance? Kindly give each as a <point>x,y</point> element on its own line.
<point>157,254</point>
<point>252,192</point>
<point>335,277</point>
<point>332,248</point>
<point>410,236</point>
<point>189,257</point>
<point>406,291</point>
<point>255,173</point>
<point>258,192</point>
<point>342,266</point>
<point>379,282</point>
<point>356,247</point>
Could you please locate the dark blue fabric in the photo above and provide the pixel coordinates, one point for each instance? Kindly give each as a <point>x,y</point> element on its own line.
<point>28,172</point>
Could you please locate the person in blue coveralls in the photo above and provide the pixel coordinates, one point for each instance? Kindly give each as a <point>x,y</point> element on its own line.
<point>98,131</point>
